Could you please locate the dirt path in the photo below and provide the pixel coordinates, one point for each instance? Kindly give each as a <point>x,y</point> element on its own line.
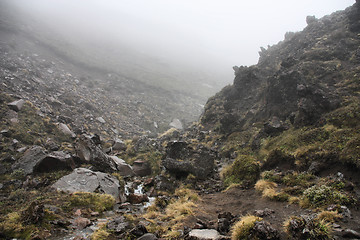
<point>240,202</point>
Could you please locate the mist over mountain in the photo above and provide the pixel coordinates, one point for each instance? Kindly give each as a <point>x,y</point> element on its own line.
<point>98,131</point>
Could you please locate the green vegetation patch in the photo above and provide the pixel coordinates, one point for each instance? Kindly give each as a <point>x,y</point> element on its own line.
<point>96,201</point>
<point>244,170</point>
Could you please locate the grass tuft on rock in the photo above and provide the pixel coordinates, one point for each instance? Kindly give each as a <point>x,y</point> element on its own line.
<point>242,229</point>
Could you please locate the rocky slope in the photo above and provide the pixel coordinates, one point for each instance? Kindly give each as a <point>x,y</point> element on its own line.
<point>275,155</point>
<point>87,87</point>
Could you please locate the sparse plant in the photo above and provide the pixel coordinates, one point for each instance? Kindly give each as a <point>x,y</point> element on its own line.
<point>329,216</point>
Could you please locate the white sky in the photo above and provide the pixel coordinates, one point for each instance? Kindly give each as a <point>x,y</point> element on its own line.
<point>229,32</point>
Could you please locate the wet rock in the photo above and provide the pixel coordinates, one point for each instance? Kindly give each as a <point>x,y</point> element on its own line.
<point>16,105</point>
<point>122,167</point>
<point>85,180</point>
<point>263,230</point>
<point>142,168</point>
<point>31,158</point>
<point>148,236</point>
<point>89,152</point>
<point>137,198</point>
<point>119,145</point>
<point>66,130</point>
<point>118,225</point>
<point>55,161</point>
<point>204,234</point>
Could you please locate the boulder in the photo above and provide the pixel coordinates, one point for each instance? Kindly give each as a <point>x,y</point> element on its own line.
<point>85,180</point>
<point>30,159</point>
<point>180,159</point>
<point>66,130</point>
<point>141,168</point>
<point>55,161</point>
<point>204,234</point>
<point>16,105</point>
<point>123,168</point>
<point>35,159</point>
<point>89,152</point>
<point>119,145</point>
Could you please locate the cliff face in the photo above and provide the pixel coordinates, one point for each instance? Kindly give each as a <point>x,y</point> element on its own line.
<point>298,81</point>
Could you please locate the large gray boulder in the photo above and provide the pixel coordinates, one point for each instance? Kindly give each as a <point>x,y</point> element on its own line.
<point>85,180</point>
<point>122,167</point>
<point>36,159</point>
<point>90,153</point>
<point>181,159</point>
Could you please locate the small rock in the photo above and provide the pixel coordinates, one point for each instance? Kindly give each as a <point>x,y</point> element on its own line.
<point>204,234</point>
<point>137,198</point>
<point>176,123</point>
<point>81,223</point>
<point>119,145</point>
<point>148,236</point>
<point>118,225</point>
<point>101,120</point>
<point>78,212</point>
<point>16,105</point>
<point>348,233</point>
<point>66,130</point>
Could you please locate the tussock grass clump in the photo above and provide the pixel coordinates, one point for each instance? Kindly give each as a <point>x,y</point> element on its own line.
<point>261,185</point>
<point>96,201</point>
<point>241,229</point>
<point>329,216</point>
<point>172,218</point>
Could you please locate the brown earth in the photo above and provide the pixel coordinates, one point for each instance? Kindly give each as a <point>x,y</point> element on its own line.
<point>242,202</point>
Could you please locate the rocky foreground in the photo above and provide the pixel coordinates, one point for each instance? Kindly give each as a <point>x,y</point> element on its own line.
<point>274,156</point>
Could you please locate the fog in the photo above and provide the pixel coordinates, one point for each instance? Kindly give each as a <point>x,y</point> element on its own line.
<point>210,34</point>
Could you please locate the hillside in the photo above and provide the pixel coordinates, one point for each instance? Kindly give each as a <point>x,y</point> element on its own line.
<point>275,155</point>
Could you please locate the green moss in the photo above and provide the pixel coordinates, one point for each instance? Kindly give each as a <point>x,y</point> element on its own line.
<point>96,201</point>
<point>245,170</point>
